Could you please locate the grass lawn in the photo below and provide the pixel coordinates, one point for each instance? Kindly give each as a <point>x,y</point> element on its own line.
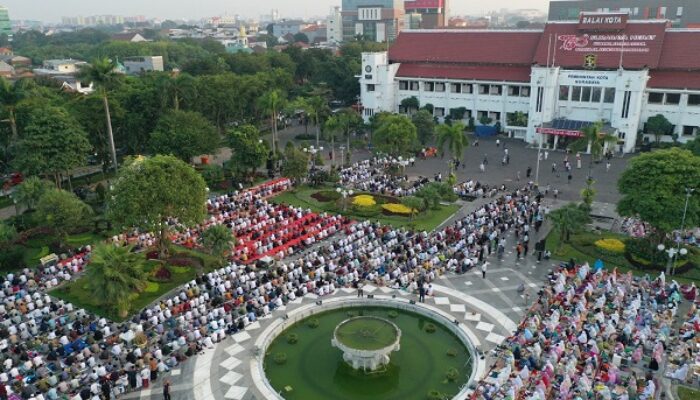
<point>77,292</point>
<point>38,246</point>
<point>685,393</point>
<point>428,220</point>
<point>581,248</point>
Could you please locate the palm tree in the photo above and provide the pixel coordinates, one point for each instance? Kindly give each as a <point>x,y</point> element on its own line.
<point>218,240</point>
<point>569,219</point>
<point>271,103</point>
<point>315,107</point>
<point>10,96</point>
<point>29,192</point>
<point>453,136</point>
<point>593,142</point>
<point>331,128</point>
<point>114,275</point>
<point>180,86</point>
<point>102,74</point>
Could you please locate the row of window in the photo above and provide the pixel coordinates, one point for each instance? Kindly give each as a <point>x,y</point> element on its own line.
<point>466,88</point>
<point>586,94</point>
<point>672,98</point>
<point>686,130</point>
<point>644,12</point>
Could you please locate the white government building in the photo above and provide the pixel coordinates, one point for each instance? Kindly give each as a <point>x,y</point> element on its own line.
<point>566,76</point>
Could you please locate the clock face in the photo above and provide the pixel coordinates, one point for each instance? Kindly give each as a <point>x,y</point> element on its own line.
<point>368,68</point>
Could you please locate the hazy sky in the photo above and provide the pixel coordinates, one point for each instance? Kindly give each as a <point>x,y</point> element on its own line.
<point>52,10</point>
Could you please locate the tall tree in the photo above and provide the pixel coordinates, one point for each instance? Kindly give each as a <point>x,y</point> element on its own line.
<point>453,137</point>
<point>184,134</point>
<point>653,189</point>
<point>658,126</point>
<point>593,141</point>
<point>114,275</point>
<point>29,192</point>
<point>10,96</point>
<point>296,164</point>
<point>396,135</point>
<point>150,190</point>
<point>248,150</point>
<point>218,239</point>
<point>315,107</point>
<point>53,144</point>
<point>63,212</point>
<point>272,103</point>
<point>425,125</point>
<point>102,74</point>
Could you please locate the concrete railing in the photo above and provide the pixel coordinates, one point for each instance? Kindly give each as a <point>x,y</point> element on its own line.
<point>281,324</point>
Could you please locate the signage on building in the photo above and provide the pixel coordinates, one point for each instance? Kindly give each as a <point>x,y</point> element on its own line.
<point>586,78</point>
<point>415,4</point>
<point>559,132</point>
<point>598,21</point>
<point>605,43</point>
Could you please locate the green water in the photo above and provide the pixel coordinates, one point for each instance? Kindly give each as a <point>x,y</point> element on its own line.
<point>316,371</point>
<point>366,333</point>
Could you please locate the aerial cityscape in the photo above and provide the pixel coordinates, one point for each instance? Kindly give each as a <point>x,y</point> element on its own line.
<point>350,200</point>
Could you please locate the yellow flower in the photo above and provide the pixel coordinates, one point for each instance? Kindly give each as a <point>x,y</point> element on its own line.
<point>610,245</point>
<point>397,208</point>
<point>364,200</point>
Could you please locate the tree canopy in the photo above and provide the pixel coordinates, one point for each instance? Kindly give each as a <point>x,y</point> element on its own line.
<point>150,190</point>
<point>63,212</point>
<point>184,134</point>
<point>395,135</point>
<point>653,189</point>
<point>248,151</point>
<point>425,125</point>
<point>658,126</point>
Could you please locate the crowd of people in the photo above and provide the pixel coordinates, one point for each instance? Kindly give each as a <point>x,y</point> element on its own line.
<point>593,334</point>
<point>374,176</point>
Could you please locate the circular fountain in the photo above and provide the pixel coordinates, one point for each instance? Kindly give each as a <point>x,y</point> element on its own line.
<point>367,341</point>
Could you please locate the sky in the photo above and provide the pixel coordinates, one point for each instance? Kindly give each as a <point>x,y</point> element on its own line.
<point>53,10</point>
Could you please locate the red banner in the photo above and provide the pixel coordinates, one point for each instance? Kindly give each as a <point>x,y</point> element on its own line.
<point>559,132</point>
<point>412,5</point>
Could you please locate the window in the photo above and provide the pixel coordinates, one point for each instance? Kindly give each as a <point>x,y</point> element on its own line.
<point>635,11</point>
<point>496,90</point>
<point>415,86</point>
<point>525,91</point>
<point>673,98</point>
<point>652,12</point>
<point>429,86</point>
<point>609,95</point>
<point>586,94</point>
<point>679,12</point>
<point>662,12</point>
<point>440,87</point>
<point>467,88</point>
<point>513,90</point>
<point>540,99</point>
<point>456,87</point>
<point>626,104</point>
<point>656,98</point>
<point>439,112</point>
<point>369,112</point>
<point>370,87</point>
<point>564,93</point>
<point>403,85</point>
<point>481,114</point>
<point>595,94</point>
<point>694,99</point>
<point>495,116</point>
<point>689,130</point>
<point>483,89</point>
<point>576,93</point>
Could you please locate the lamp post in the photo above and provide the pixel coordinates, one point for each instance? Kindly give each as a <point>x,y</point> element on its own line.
<point>312,151</point>
<point>342,156</point>
<point>688,193</point>
<point>671,255</point>
<point>539,156</point>
<point>345,193</point>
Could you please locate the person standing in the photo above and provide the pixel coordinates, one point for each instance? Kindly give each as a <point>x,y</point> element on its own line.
<point>518,251</point>
<point>528,172</point>
<point>360,291</point>
<point>498,142</point>
<point>607,166</point>
<point>546,155</point>
<point>483,270</point>
<point>166,390</point>
<point>421,293</point>
<point>517,176</point>
<point>578,160</point>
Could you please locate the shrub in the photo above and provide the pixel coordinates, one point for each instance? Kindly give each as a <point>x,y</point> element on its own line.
<point>452,374</point>
<point>305,136</point>
<point>313,323</point>
<point>644,251</point>
<point>181,261</point>
<point>279,358</point>
<point>162,274</point>
<point>396,208</point>
<point>610,245</point>
<point>393,314</point>
<point>364,200</point>
<point>11,258</point>
<point>452,352</point>
<point>430,328</point>
<point>435,395</point>
<point>366,212</point>
<point>292,338</point>
<point>326,195</point>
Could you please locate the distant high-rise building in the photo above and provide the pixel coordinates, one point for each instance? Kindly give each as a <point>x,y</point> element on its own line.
<point>433,12</point>
<point>334,26</point>
<point>5,25</point>
<point>681,13</point>
<point>377,20</point>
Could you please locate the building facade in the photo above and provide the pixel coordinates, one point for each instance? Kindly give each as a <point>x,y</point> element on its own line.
<point>433,12</point>
<point>545,85</point>
<point>334,26</point>
<point>681,13</point>
<point>5,24</point>
<point>377,20</point>
<point>139,65</point>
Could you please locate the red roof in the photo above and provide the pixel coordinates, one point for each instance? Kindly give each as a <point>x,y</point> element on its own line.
<point>641,41</point>
<point>681,50</point>
<point>674,80</point>
<point>453,71</point>
<point>476,47</point>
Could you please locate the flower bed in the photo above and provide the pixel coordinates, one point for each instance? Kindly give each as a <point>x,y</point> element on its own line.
<point>364,200</point>
<point>326,195</point>
<point>610,245</point>
<point>396,209</point>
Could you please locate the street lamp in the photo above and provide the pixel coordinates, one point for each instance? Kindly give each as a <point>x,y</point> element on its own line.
<point>312,151</point>
<point>342,156</point>
<point>688,193</point>
<point>345,194</point>
<point>671,255</point>
<point>539,156</point>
